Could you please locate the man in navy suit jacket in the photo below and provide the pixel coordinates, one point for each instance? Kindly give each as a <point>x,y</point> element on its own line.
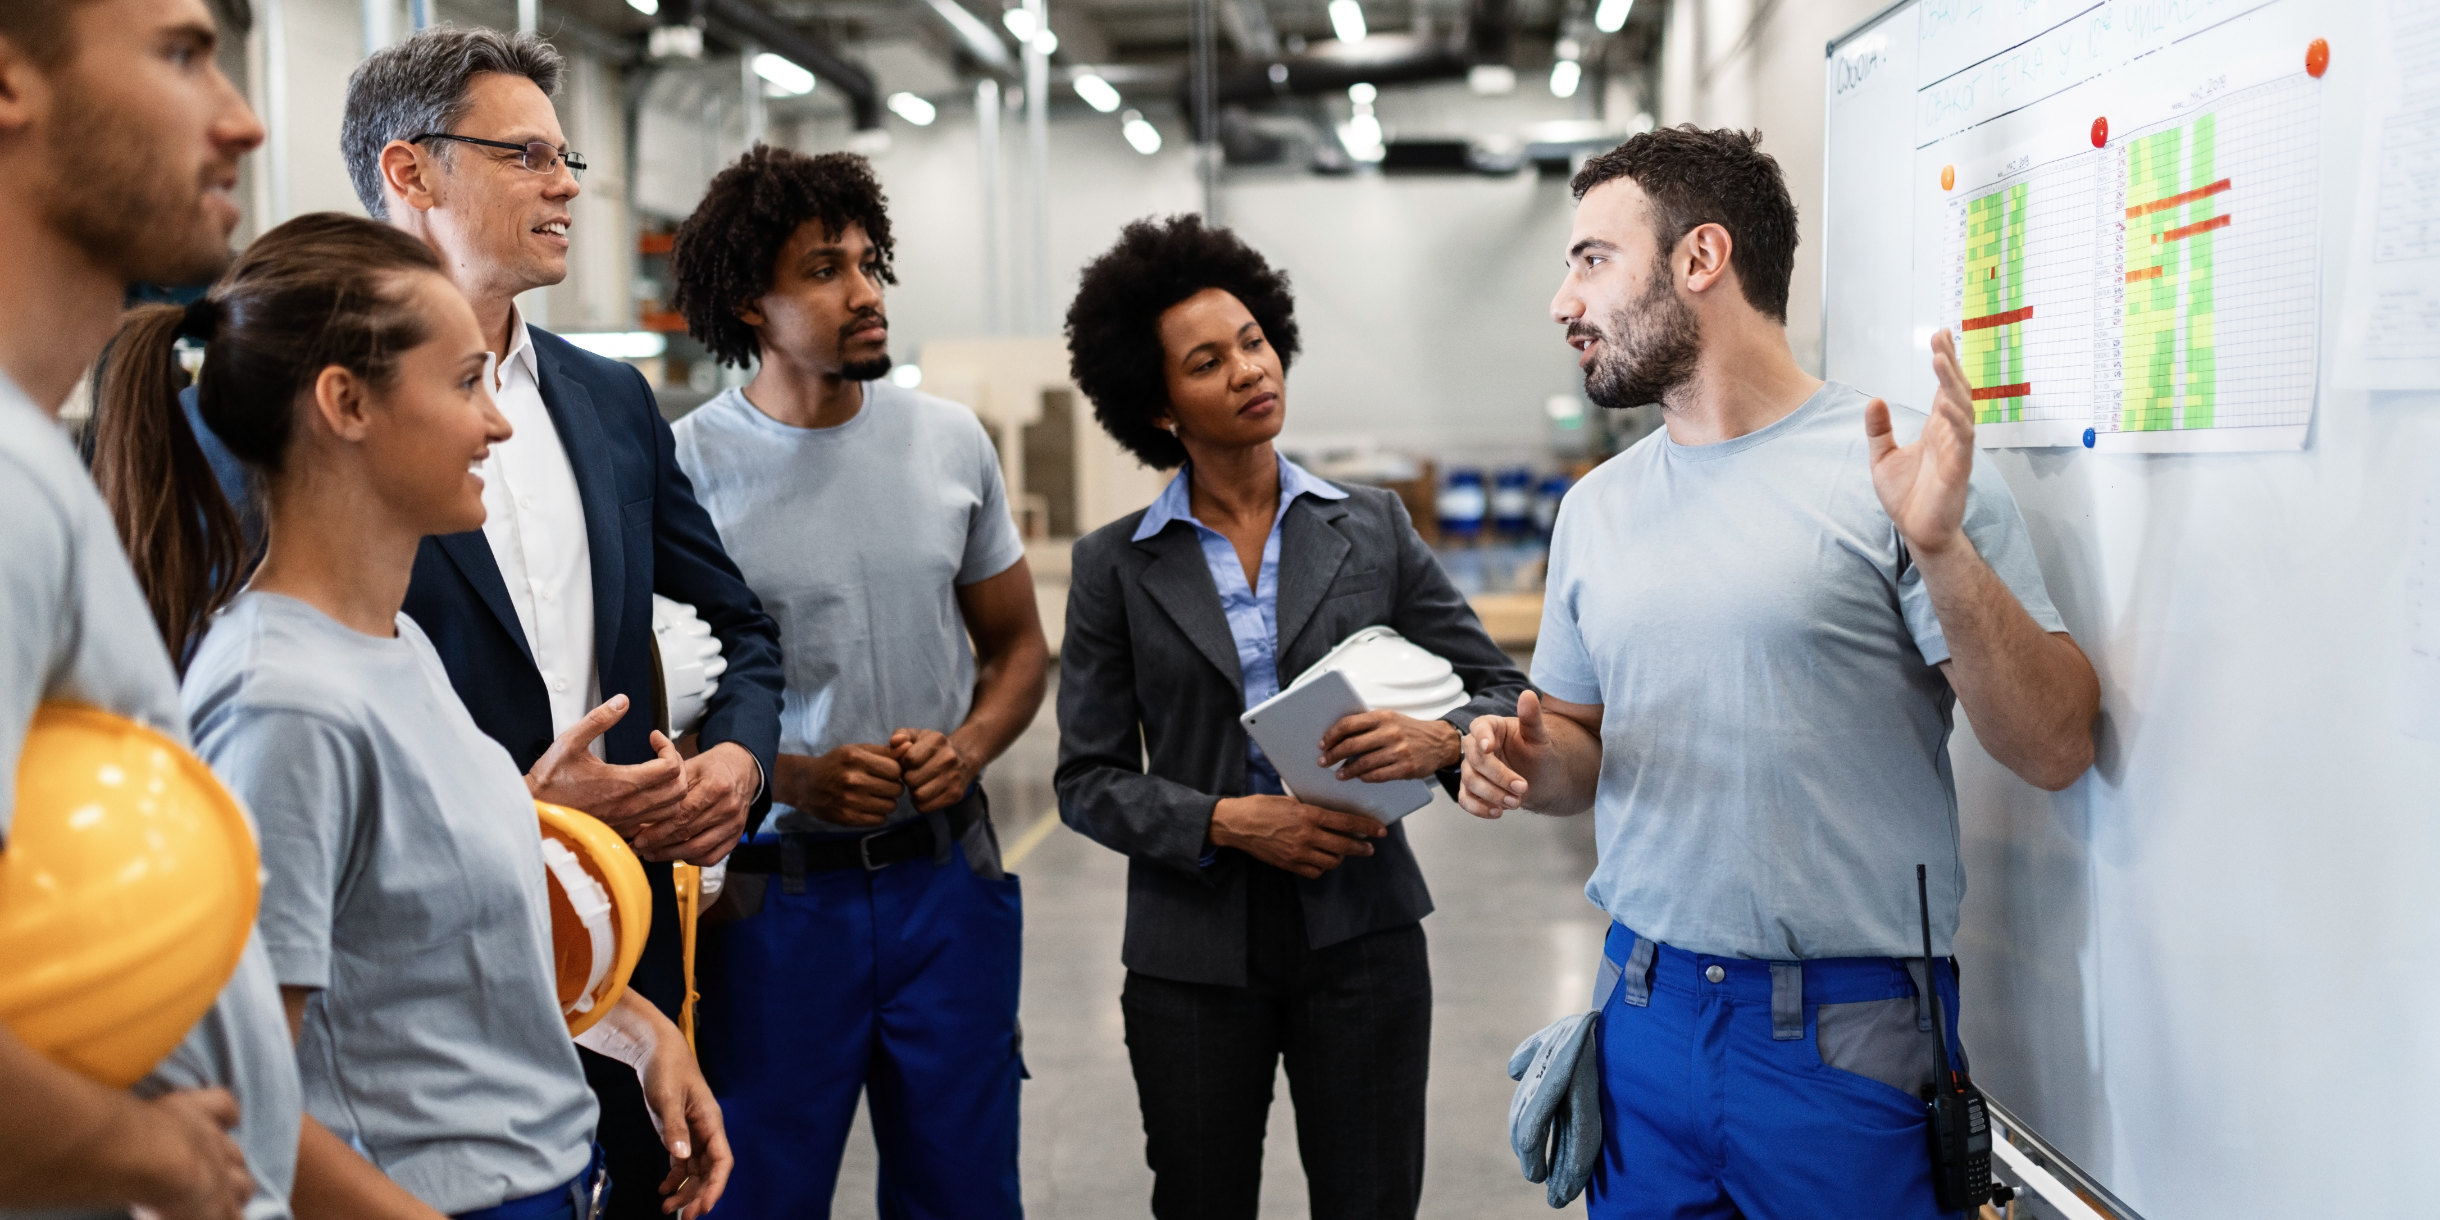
<point>451,136</point>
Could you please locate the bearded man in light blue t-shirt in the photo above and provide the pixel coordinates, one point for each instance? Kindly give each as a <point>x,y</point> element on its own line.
<point>1759,621</point>
<point>878,955</point>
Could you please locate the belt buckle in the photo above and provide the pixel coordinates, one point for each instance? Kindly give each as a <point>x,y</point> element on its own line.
<point>864,852</point>
<point>593,1204</point>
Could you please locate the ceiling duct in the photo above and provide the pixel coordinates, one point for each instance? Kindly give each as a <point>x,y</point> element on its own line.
<point>1399,60</point>
<point>745,22</point>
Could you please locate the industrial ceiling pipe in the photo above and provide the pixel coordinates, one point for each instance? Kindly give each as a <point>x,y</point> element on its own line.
<point>1489,31</point>
<point>746,22</point>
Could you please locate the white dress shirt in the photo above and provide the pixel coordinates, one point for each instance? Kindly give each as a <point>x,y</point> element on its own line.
<point>535,522</point>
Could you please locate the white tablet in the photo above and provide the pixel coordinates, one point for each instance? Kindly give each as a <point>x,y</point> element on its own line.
<point>1289,727</point>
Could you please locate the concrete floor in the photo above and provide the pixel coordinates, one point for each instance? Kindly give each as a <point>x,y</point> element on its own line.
<point>1513,942</point>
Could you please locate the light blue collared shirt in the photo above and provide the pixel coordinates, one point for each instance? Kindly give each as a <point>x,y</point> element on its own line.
<point>1253,613</point>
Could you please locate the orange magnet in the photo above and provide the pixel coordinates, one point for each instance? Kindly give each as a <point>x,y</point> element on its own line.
<point>1948,177</point>
<point>2317,57</point>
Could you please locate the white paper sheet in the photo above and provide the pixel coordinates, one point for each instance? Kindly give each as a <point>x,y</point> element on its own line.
<point>2390,339</point>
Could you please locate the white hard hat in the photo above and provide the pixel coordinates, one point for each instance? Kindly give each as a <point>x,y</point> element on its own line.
<point>689,664</point>
<point>1391,673</point>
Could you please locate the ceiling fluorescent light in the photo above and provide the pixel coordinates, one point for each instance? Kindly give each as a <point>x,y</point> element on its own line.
<point>1491,80</point>
<point>1347,20</point>
<point>649,8</point>
<point>1145,137</point>
<point>1362,93</point>
<point>1100,94</point>
<point>1611,15</point>
<point>913,109</point>
<point>1046,42</point>
<point>1020,22</point>
<point>786,75</point>
<point>621,345</point>
<point>1565,75</point>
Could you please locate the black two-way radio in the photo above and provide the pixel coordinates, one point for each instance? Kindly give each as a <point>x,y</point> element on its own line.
<point>1960,1122</point>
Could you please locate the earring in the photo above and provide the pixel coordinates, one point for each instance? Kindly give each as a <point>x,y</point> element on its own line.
<point>1173,429</point>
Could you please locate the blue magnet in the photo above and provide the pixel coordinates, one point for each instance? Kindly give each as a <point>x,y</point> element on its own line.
<point>2088,438</point>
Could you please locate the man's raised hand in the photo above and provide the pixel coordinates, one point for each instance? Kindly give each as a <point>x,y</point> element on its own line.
<point>624,797</point>
<point>1923,485</point>
<point>1499,752</point>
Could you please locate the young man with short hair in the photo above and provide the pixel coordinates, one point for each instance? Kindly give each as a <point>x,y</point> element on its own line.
<point>119,145</point>
<point>880,956</point>
<point>1758,622</point>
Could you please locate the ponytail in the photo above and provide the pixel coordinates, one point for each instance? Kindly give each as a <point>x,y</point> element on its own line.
<point>323,290</point>
<point>178,527</point>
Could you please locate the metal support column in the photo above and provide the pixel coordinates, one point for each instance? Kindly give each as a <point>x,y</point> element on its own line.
<point>377,18</point>
<point>267,45</point>
<point>419,14</point>
<point>987,169</point>
<point>757,117</point>
<point>1202,115</point>
<point>1038,175</point>
<point>529,16</point>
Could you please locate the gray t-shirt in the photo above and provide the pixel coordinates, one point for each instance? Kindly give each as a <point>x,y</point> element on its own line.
<point>1774,736</point>
<point>406,887</point>
<point>74,628</point>
<point>856,538</point>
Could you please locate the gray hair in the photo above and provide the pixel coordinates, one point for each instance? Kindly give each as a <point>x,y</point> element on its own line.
<point>420,86</point>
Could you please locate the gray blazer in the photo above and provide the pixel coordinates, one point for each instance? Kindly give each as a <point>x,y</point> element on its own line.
<point>1149,672</point>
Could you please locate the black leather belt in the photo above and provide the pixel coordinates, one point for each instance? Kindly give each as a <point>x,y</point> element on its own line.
<point>812,853</point>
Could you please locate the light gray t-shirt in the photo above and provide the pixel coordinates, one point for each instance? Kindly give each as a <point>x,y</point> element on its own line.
<point>406,887</point>
<point>74,628</point>
<point>856,539</point>
<point>1774,736</point>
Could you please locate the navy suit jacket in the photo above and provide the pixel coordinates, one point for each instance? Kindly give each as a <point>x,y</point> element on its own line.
<point>647,534</point>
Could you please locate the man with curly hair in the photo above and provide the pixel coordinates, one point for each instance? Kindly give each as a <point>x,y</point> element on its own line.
<point>880,952</point>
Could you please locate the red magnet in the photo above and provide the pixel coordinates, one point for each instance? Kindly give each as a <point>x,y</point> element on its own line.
<point>2317,57</point>
<point>2101,131</point>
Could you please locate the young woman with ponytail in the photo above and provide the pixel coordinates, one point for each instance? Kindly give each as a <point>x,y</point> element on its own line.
<point>405,910</point>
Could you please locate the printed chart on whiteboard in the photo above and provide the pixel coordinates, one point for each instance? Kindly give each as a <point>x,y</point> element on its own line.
<point>2136,271</point>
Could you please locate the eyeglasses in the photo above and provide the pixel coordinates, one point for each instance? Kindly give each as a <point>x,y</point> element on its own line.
<point>537,156</point>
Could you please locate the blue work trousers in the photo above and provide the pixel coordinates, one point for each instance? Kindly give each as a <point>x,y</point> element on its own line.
<point>1712,1109</point>
<point>899,983</point>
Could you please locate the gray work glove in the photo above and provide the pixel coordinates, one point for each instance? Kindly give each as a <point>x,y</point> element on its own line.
<point>1554,1120</point>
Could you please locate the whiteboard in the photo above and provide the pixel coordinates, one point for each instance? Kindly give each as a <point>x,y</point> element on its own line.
<point>2209,971</point>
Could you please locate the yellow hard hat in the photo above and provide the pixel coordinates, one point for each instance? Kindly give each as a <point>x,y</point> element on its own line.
<point>601,910</point>
<point>128,886</point>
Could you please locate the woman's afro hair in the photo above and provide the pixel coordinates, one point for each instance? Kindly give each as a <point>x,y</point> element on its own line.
<point>1113,326</point>
<point>724,255</point>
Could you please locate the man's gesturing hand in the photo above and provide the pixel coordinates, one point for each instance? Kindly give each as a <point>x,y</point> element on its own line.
<point>854,785</point>
<point>1923,485</point>
<point>1283,833</point>
<point>624,797</point>
<point>1377,747</point>
<point>720,784</point>
<point>1500,751</point>
<point>934,772</point>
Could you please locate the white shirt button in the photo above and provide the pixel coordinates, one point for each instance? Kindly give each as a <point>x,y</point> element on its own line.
<point>1714,973</point>
<point>561,684</point>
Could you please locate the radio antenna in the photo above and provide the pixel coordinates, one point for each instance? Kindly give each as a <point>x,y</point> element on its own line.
<point>1940,1022</point>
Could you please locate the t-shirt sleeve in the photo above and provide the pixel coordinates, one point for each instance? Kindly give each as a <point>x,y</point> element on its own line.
<point>1561,665</point>
<point>303,777</point>
<point>992,544</point>
<point>34,551</point>
<point>1997,530</point>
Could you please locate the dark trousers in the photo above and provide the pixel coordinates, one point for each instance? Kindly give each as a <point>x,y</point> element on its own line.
<point>1354,1022</point>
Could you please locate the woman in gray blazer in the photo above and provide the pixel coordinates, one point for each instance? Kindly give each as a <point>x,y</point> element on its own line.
<point>1257,927</point>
